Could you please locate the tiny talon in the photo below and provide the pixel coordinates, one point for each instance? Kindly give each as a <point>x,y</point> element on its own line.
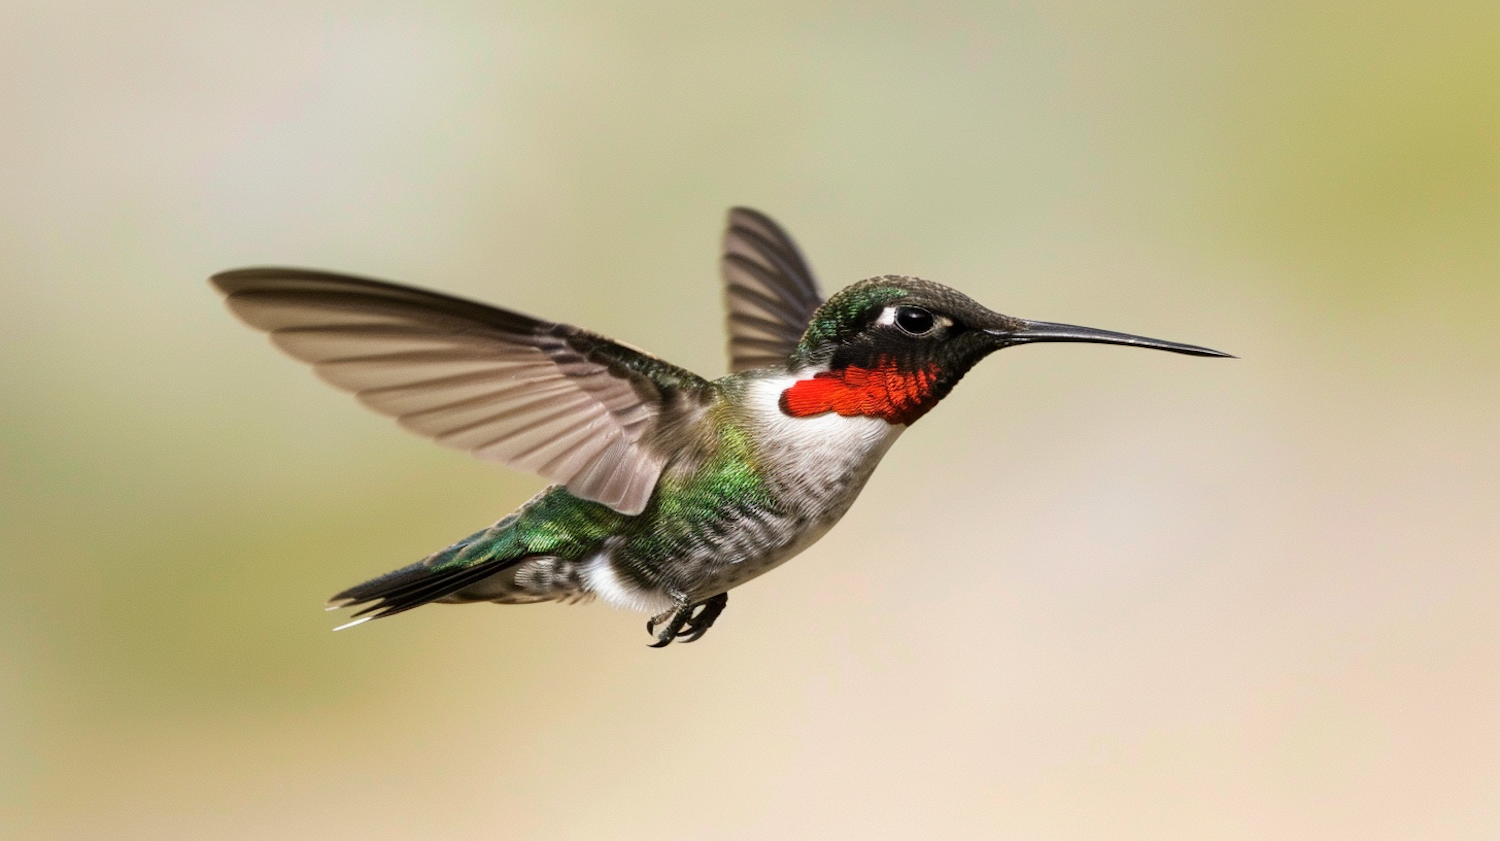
<point>686,623</point>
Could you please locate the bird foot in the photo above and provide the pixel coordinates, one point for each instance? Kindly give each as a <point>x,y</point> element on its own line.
<point>686,623</point>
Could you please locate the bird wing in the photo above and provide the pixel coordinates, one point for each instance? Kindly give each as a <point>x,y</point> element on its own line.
<point>768,289</point>
<point>573,406</point>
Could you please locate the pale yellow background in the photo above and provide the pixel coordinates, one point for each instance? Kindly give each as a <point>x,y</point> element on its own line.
<point>1098,594</point>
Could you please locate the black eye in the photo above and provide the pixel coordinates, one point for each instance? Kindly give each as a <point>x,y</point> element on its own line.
<point>915,320</point>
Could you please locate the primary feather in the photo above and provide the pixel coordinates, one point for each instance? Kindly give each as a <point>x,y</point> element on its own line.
<point>568,404</point>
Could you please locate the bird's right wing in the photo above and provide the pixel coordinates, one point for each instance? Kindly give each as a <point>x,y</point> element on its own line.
<point>768,289</point>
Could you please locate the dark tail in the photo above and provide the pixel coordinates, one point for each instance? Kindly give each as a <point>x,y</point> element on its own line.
<point>439,574</point>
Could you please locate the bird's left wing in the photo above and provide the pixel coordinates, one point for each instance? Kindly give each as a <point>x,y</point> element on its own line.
<point>769,290</point>
<point>573,406</point>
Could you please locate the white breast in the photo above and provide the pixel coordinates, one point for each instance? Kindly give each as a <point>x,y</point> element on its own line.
<point>822,462</point>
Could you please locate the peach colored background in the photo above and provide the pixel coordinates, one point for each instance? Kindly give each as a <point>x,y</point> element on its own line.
<point>1099,594</point>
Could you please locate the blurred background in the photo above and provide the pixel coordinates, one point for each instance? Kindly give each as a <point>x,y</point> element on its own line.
<point>1100,593</point>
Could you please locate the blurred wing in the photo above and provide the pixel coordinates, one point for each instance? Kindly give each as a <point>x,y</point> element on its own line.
<point>768,288</point>
<point>568,404</point>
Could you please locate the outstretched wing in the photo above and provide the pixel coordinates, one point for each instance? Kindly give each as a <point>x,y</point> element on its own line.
<point>768,288</point>
<point>571,405</point>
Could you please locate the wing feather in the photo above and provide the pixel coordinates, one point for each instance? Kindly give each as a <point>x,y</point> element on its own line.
<point>769,291</point>
<point>574,406</point>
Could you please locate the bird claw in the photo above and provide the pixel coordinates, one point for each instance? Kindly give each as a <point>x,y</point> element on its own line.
<point>687,623</point>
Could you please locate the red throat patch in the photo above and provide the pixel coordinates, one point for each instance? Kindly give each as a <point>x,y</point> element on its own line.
<point>885,392</point>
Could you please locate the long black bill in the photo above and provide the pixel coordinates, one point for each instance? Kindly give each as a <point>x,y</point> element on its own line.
<point>1045,331</point>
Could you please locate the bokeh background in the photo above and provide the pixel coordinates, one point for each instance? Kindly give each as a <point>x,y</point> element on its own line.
<point>1100,593</point>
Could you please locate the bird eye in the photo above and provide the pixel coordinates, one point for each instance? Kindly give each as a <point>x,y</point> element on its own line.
<point>915,320</point>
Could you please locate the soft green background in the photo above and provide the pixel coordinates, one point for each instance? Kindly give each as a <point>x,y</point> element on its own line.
<point>1100,593</point>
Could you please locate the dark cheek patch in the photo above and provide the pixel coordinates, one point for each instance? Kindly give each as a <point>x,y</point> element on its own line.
<point>884,392</point>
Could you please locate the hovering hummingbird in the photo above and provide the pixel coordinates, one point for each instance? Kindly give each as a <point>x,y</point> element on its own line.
<point>670,489</point>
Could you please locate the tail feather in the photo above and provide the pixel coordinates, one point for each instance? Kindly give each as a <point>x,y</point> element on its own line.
<point>416,585</point>
<point>440,574</point>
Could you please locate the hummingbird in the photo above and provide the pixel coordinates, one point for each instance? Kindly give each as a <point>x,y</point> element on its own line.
<point>669,489</point>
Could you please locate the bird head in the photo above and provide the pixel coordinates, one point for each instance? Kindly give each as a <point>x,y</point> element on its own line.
<point>894,346</point>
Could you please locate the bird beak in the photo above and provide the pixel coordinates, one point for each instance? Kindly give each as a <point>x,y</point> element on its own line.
<point>1045,331</point>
